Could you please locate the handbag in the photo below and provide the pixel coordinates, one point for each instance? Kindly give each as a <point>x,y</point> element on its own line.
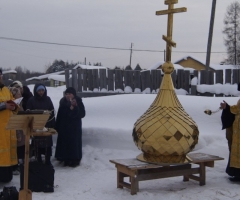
<point>9,193</point>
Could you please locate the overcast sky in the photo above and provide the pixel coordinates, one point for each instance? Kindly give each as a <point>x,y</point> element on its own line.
<point>105,23</point>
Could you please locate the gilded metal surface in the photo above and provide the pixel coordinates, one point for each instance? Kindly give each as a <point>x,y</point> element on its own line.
<point>165,132</point>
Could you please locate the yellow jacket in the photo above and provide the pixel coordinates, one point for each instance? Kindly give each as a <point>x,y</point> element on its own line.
<point>235,149</point>
<point>8,140</point>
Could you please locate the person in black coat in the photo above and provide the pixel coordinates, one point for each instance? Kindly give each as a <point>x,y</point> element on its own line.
<point>40,101</point>
<point>69,127</point>
<point>26,96</point>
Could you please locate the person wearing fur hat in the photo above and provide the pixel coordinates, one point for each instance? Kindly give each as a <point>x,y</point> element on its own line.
<point>40,101</point>
<point>8,140</point>
<point>69,127</point>
<point>17,84</point>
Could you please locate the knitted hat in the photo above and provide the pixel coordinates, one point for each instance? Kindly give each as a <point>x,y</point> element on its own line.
<point>70,90</point>
<point>17,84</point>
<point>40,87</point>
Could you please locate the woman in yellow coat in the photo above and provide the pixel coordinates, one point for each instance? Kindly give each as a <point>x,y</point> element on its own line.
<point>8,141</point>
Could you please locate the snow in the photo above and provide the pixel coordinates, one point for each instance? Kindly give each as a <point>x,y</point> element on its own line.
<point>107,134</point>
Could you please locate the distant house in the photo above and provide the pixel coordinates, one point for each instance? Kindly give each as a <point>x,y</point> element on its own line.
<point>191,62</point>
<point>45,79</point>
<point>9,75</point>
<point>88,67</point>
<point>158,65</point>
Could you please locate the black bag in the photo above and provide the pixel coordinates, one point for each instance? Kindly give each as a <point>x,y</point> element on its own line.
<point>6,174</point>
<point>40,177</point>
<point>9,193</point>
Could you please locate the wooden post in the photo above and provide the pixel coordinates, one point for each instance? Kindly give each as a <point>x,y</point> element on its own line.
<point>95,80</point>
<point>74,79</point>
<point>79,72</point>
<point>128,78</point>
<point>136,80</point>
<point>67,77</point>
<point>103,79</point>
<point>110,79</point>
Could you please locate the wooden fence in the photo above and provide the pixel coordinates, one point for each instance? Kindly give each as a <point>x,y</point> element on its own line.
<point>100,82</point>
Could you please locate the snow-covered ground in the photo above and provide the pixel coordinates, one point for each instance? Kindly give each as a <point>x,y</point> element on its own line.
<point>107,134</point>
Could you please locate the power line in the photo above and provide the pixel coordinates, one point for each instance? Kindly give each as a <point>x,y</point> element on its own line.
<point>96,47</point>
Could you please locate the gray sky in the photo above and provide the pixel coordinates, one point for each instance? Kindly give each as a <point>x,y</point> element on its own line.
<point>105,23</point>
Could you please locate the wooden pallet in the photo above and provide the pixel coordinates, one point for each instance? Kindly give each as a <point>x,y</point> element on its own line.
<point>141,171</point>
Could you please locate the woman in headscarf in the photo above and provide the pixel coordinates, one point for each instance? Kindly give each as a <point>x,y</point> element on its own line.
<point>40,101</point>
<point>69,127</point>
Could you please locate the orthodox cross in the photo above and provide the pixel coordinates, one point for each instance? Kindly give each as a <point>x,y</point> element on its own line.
<point>170,12</point>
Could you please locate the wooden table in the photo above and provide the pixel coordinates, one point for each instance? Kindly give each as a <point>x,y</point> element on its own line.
<point>141,171</point>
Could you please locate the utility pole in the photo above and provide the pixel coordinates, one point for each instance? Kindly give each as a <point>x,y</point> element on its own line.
<point>131,54</point>
<point>210,34</point>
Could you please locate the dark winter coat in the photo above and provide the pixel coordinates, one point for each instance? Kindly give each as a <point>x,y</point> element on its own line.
<point>26,96</point>
<point>42,103</point>
<point>227,117</point>
<point>69,128</point>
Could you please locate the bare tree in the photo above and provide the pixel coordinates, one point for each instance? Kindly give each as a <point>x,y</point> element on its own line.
<point>232,33</point>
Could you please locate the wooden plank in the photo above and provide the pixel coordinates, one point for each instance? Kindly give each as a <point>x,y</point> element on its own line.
<point>202,174</point>
<point>90,79</point>
<point>120,178</point>
<point>95,80</point>
<point>118,79</point>
<point>180,78</point>
<point>110,79</point>
<point>80,84</point>
<point>219,76</point>
<point>67,77</point>
<point>228,75</point>
<point>85,81</point>
<point>146,80</point>
<point>156,79</point>
<point>125,170</point>
<point>74,79</point>
<point>103,79</point>
<point>210,77</point>
<point>128,78</point>
<point>202,157</point>
<point>174,78</point>
<point>235,76</point>
<point>124,184</point>
<point>168,174</point>
<point>136,80</point>
<point>203,77</point>
<point>186,81</point>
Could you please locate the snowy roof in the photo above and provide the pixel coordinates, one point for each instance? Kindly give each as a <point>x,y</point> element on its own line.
<point>186,57</point>
<point>57,78</point>
<point>9,72</point>
<point>176,66</point>
<point>88,67</point>
<point>222,67</point>
<point>212,66</point>
<point>45,76</point>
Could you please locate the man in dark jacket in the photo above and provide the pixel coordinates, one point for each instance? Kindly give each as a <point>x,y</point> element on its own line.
<point>40,101</point>
<point>69,127</point>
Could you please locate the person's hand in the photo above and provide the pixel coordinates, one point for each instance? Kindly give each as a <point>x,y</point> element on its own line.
<point>223,105</point>
<point>74,102</point>
<point>10,106</point>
